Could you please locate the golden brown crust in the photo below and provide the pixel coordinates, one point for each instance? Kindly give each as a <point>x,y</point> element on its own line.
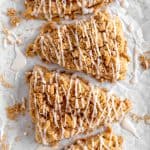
<point>63,105</point>
<point>104,141</point>
<point>55,10</point>
<point>95,46</point>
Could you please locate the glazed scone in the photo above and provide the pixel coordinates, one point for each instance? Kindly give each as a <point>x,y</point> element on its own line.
<point>57,9</point>
<point>104,141</point>
<point>95,46</point>
<point>63,105</point>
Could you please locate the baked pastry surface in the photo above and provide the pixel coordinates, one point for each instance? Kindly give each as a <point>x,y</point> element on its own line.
<point>95,46</point>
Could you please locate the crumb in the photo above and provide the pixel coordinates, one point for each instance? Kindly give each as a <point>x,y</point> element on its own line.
<point>145,62</point>
<point>11,12</point>
<point>14,111</point>
<point>147,119</point>
<point>19,41</point>
<point>138,118</point>
<point>14,18</point>
<point>135,117</point>
<point>4,83</point>
<point>6,31</point>
<point>15,21</point>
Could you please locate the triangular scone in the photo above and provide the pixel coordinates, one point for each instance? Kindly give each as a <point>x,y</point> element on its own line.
<point>61,9</point>
<point>63,105</point>
<point>104,141</point>
<point>95,46</point>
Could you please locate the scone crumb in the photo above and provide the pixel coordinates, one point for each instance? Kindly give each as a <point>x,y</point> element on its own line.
<point>6,31</point>
<point>147,119</point>
<point>11,12</point>
<point>4,83</point>
<point>15,110</point>
<point>135,117</point>
<point>138,118</point>
<point>15,21</point>
<point>14,18</point>
<point>145,62</point>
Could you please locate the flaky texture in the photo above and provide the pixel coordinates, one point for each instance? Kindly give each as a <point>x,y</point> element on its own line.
<point>104,141</point>
<point>57,9</point>
<point>63,105</point>
<point>95,46</point>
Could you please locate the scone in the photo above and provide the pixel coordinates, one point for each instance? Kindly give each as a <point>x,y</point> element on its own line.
<point>95,46</point>
<point>61,9</point>
<point>63,105</point>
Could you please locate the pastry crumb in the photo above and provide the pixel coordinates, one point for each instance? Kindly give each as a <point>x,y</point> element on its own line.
<point>15,110</point>
<point>147,119</point>
<point>14,18</point>
<point>15,21</point>
<point>145,60</point>
<point>138,118</point>
<point>4,83</point>
<point>11,12</point>
<point>6,31</point>
<point>135,117</point>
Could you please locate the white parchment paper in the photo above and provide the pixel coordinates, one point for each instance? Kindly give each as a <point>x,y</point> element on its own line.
<point>135,16</point>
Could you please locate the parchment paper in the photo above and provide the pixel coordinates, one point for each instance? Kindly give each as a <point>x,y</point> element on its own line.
<point>135,16</point>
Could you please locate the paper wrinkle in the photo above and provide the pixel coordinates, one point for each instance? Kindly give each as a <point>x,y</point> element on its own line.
<point>136,22</point>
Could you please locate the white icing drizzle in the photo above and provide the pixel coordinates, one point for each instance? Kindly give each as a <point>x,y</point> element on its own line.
<point>127,125</point>
<point>133,79</point>
<point>108,113</point>
<point>19,61</point>
<point>117,52</point>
